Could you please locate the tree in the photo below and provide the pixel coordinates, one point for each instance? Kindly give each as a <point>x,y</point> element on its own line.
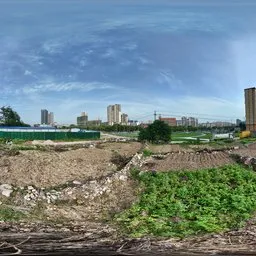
<point>9,117</point>
<point>157,132</point>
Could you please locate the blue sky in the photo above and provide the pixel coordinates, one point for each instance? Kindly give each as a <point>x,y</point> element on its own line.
<point>176,57</point>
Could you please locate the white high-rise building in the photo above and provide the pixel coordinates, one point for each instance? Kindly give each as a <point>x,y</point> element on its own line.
<point>114,114</point>
<point>51,118</point>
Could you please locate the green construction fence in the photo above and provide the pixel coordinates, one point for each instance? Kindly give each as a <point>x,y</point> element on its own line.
<point>49,135</point>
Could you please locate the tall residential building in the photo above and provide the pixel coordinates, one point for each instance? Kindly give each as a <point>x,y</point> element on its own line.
<point>188,121</point>
<point>51,118</point>
<point>124,119</point>
<point>192,121</point>
<point>114,114</point>
<point>82,120</point>
<point>44,116</point>
<point>184,121</point>
<point>250,108</point>
<point>238,122</point>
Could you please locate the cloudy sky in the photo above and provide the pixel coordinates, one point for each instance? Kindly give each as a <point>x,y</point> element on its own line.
<point>176,57</point>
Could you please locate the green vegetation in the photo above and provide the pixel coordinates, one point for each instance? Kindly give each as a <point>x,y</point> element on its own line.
<point>157,132</point>
<point>132,135</point>
<point>8,214</point>
<point>147,152</point>
<point>179,204</point>
<point>9,117</point>
<point>246,141</point>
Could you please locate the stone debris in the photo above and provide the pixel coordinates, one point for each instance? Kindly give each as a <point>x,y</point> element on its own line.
<point>6,190</point>
<point>88,190</point>
<point>76,182</point>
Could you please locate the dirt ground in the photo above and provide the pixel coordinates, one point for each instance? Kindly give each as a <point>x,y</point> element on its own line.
<point>51,168</point>
<point>188,161</point>
<point>127,149</point>
<point>162,149</point>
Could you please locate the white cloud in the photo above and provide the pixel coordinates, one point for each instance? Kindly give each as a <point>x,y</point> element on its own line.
<point>166,77</point>
<point>130,46</point>
<point>53,46</point>
<point>27,73</point>
<point>65,87</point>
<point>110,53</point>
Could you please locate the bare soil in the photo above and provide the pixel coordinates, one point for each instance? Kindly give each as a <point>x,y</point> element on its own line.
<point>188,161</point>
<point>162,149</point>
<point>250,151</point>
<point>123,148</point>
<point>51,168</point>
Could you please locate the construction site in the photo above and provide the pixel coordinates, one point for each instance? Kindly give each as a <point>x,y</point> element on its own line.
<point>59,195</point>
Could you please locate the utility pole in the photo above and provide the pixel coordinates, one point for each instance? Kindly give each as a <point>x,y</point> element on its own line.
<point>154,115</point>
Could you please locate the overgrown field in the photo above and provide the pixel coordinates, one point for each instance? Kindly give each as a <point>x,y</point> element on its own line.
<point>178,204</point>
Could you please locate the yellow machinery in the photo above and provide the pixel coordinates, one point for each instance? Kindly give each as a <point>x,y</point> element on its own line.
<point>245,134</point>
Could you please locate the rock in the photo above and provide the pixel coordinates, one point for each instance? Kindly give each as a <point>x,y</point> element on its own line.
<point>30,188</point>
<point>123,177</point>
<point>6,190</point>
<point>76,182</point>
<point>54,197</point>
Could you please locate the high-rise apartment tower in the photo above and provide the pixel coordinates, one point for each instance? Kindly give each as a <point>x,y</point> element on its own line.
<point>51,118</point>
<point>82,120</point>
<point>44,116</point>
<point>114,114</point>
<point>250,108</point>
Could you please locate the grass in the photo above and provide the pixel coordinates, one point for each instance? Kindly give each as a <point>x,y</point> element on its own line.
<point>248,140</point>
<point>182,136</point>
<point>8,214</point>
<point>179,204</point>
<point>127,134</point>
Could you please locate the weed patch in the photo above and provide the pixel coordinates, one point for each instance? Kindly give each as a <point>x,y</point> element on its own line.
<point>8,214</point>
<point>179,204</point>
<point>147,152</point>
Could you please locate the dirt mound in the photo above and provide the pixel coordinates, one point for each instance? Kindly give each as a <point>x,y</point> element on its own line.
<point>162,149</point>
<point>251,152</point>
<point>188,161</point>
<point>44,169</point>
<point>55,167</point>
<point>122,148</point>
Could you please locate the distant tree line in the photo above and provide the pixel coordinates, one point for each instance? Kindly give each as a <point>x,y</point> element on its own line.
<point>129,128</point>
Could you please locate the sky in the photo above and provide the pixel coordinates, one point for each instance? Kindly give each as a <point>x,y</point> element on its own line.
<point>175,57</point>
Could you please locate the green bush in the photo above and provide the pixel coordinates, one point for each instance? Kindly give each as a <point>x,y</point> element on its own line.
<point>178,204</point>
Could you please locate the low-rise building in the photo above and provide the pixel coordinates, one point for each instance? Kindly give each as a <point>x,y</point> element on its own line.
<point>171,121</point>
<point>94,122</point>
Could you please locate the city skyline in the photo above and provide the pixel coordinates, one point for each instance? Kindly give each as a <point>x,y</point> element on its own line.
<point>171,56</point>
